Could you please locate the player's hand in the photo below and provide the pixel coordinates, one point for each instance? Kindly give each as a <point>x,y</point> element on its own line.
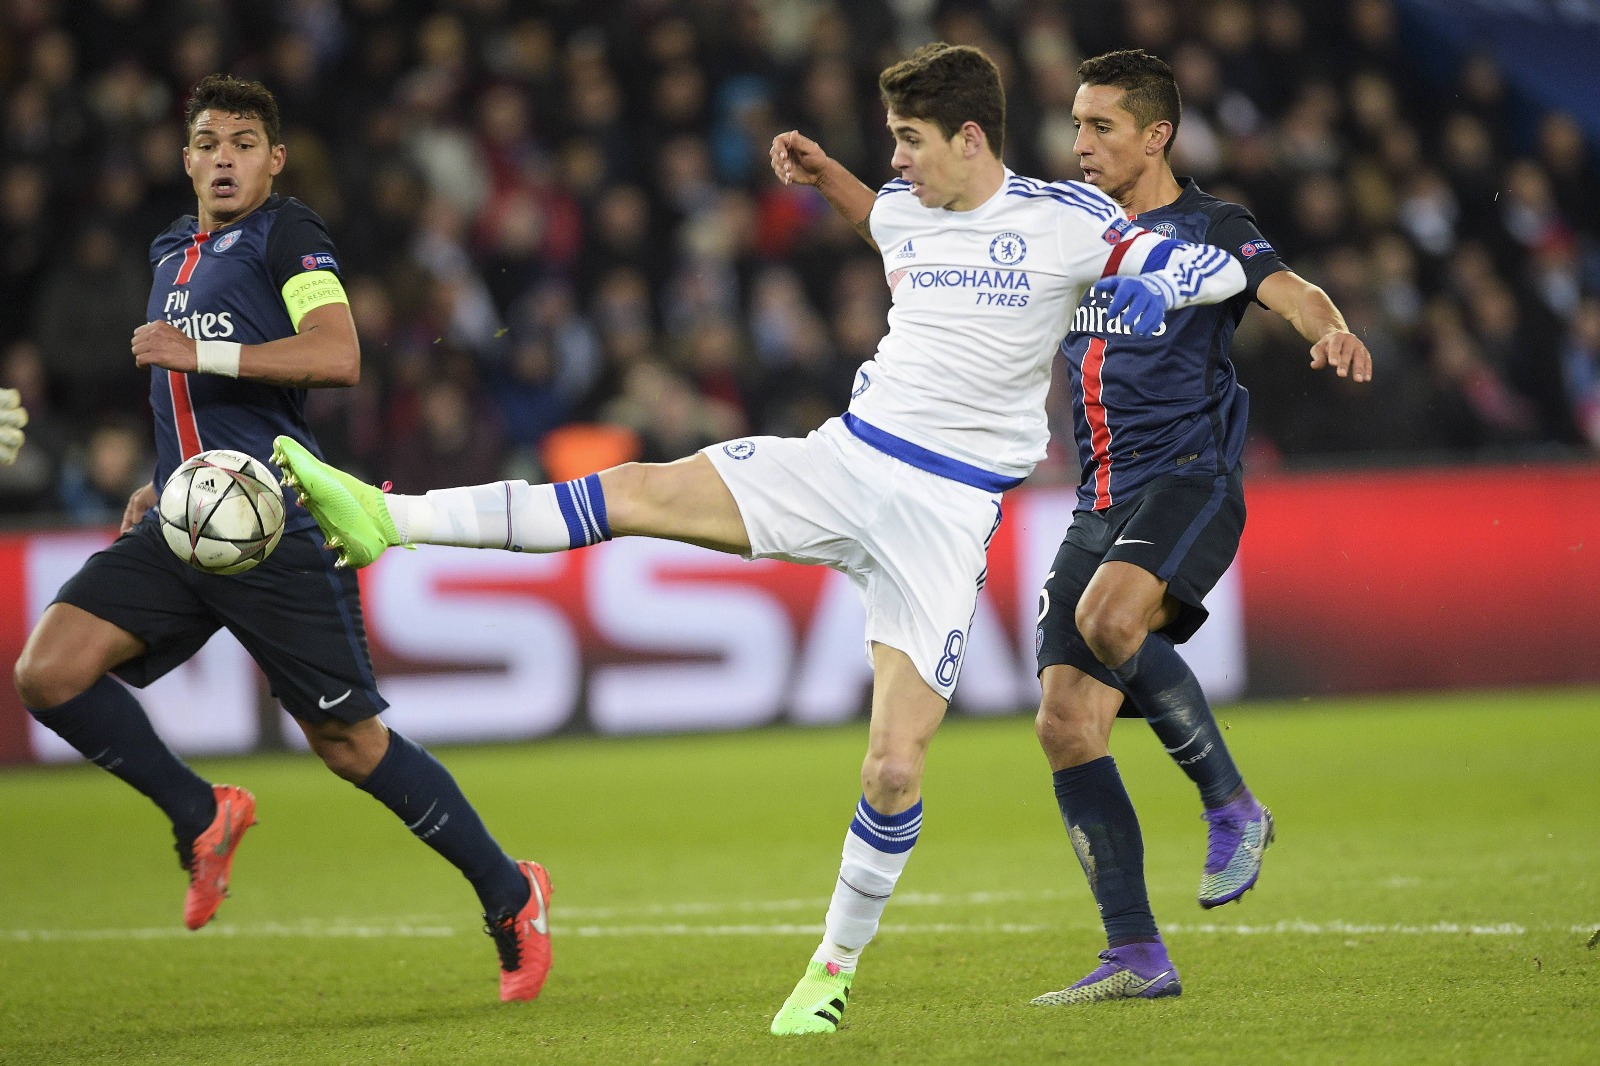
<point>162,344</point>
<point>1138,302</point>
<point>13,416</point>
<point>797,159</point>
<point>143,498</point>
<point>1345,353</point>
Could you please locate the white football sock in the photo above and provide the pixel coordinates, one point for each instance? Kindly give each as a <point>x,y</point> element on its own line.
<point>844,958</point>
<point>511,515</point>
<point>867,876</point>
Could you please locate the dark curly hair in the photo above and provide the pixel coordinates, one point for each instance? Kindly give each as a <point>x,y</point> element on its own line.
<point>1150,92</point>
<point>233,96</point>
<point>949,86</point>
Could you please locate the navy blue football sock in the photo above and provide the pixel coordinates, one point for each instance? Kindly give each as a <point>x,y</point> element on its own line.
<point>417,788</point>
<point>107,725</point>
<point>1104,831</point>
<point>1166,690</point>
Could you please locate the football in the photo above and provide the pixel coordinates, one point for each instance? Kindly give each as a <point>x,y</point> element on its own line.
<point>222,511</point>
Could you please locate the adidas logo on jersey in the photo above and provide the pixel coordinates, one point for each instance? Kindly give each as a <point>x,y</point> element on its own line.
<point>906,252</point>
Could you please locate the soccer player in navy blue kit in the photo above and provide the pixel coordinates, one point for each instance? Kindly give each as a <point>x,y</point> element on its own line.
<point>1160,428</point>
<point>247,311</point>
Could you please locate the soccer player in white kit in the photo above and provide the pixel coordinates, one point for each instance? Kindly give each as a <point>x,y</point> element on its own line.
<point>902,492</point>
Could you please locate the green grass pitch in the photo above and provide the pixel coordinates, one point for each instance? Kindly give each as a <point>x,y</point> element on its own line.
<point>1430,899</point>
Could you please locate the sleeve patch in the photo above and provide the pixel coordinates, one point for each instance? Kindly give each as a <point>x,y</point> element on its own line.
<point>1255,248</point>
<point>307,292</point>
<point>1117,231</point>
<point>319,261</point>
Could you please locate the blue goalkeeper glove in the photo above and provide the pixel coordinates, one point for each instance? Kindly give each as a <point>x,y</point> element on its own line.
<point>1138,301</point>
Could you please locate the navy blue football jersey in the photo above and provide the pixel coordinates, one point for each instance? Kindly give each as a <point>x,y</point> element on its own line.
<point>1145,407</point>
<point>228,285</point>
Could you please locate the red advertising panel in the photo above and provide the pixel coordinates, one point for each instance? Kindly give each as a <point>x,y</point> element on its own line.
<point>13,631</point>
<point>1423,579</point>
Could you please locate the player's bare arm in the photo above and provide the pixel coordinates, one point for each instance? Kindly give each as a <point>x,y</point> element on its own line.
<point>1313,315</point>
<point>798,160</point>
<point>325,353</point>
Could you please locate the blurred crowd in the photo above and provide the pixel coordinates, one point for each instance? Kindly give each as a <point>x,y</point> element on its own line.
<point>564,248</point>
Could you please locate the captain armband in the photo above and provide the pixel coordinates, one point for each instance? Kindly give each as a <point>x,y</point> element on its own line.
<point>306,292</point>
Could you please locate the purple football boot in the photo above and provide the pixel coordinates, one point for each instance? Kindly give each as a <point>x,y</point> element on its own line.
<point>1132,971</point>
<point>1240,831</point>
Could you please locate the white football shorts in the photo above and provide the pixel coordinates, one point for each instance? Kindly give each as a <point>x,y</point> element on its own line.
<point>914,544</point>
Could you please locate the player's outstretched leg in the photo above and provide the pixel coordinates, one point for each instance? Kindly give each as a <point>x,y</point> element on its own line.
<point>353,516</point>
<point>1165,689</point>
<point>360,521</point>
<point>210,858</point>
<point>876,850</point>
<point>523,939</point>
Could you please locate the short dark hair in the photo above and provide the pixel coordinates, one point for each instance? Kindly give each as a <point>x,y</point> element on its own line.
<point>232,96</point>
<point>1150,92</point>
<point>948,85</point>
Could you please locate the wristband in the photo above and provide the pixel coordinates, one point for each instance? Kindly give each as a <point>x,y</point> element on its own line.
<point>217,357</point>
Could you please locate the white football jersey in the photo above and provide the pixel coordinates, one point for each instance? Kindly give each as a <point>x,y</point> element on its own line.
<point>982,299</point>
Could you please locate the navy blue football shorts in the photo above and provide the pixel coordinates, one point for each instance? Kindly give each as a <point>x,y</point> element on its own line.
<point>297,615</point>
<point>1184,530</point>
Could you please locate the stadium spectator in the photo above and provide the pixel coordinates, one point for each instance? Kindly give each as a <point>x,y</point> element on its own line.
<point>456,438</point>
<point>25,244</point>
<point>1476,408</point>
<point>670,418</point>
<point>1571,169</point>
<point>1580,366</point>
<point>96,484</point>
<point>86,308</point>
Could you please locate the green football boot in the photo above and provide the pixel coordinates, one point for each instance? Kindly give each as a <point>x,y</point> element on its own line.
<point>817,1003</point>
<point>353,515</point>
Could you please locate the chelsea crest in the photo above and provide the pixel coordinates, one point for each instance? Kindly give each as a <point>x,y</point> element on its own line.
<point>1008,249</point>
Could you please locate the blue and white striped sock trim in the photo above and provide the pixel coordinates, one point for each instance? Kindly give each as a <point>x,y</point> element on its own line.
<point>893,833</point>
<point>583,506</point>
